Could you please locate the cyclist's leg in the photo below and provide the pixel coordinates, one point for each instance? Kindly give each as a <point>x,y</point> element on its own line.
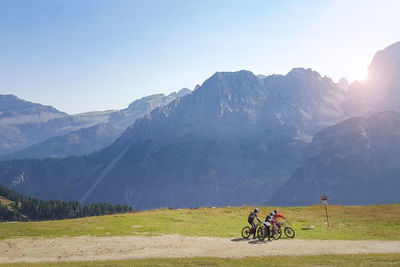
<point>254,229</point>
<point>268,228</point>
<point>251,223</point>
<point>273,227</point>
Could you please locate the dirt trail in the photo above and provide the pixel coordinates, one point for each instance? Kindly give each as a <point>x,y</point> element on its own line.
<point>87,248</point>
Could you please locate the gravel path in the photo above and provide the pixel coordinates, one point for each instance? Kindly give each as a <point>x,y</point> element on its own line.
<point>85,248</point>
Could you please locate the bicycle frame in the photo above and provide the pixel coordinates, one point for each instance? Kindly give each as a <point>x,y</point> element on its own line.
<point>253,229</point>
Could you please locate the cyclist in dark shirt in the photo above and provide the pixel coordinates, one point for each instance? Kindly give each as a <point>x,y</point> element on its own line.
<point>267,224</point>
<point>252,216</point>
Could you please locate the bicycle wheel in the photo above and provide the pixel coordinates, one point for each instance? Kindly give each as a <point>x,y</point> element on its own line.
<point>261,233</point>
<point>289,232</point>
<point>246,232</point>
<point>276,234</point>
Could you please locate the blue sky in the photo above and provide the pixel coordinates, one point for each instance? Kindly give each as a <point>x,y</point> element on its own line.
<point>81,55</point>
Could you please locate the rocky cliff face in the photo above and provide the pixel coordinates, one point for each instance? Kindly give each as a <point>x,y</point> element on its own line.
<point>354,162</point>
<point>302,101</point>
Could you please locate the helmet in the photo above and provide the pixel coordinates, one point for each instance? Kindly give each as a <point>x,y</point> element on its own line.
<point>272,214</point>
<point>275,211</point>
<point>256,210</point>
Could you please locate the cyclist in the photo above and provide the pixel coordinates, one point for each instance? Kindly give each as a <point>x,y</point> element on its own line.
<point>278,215</point>
<point>252,216</point>
<point>272,215</point>
<point>275,224</point>
<point>267,224</point>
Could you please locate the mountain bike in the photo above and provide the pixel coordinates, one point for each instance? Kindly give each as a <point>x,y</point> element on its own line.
<point>289,232</point>
<point>275,232</point>
<point>247,231</point>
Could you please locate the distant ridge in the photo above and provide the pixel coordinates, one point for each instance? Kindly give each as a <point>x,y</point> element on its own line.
<point>31,130</point>
<point>81,142</point>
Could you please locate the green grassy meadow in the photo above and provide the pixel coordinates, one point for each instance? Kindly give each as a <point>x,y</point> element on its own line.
<point>377,222</point>
<point>322,260</point>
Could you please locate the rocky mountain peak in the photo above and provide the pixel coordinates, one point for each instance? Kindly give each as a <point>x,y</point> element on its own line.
<point>183,92</point>
<point>386,63</point>
<point>11,105</point>
<point>302,72</point>
<point>234,81</point>
<point>381,89</point>
<point>229,90</point>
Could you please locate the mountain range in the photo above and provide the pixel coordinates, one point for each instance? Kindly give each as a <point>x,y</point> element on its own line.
<point>241,138</point>
<point>30,130</point>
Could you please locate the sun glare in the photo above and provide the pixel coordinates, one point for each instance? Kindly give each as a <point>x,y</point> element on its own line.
<point>360,75</point>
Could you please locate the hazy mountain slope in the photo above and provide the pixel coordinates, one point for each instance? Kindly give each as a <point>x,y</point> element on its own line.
<point>24,124</point>
<point>14,113</point>
<point>354,162</point>
<point>233,140</point>
<point>138,108</point>
<point>81,142</point>
<point>15,110</point>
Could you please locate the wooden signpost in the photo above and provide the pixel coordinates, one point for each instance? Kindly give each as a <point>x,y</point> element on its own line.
<point>324,200</point>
